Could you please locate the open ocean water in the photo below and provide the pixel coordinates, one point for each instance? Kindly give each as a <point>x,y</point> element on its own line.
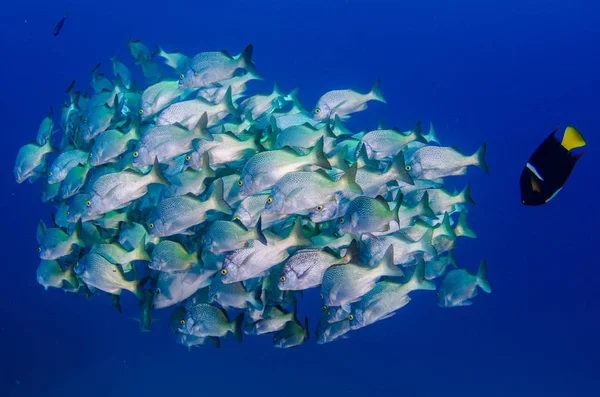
<point>502,72</point>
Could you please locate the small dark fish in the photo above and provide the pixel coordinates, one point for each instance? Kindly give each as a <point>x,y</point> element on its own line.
<point>60,24</point>
<point>550,166</point>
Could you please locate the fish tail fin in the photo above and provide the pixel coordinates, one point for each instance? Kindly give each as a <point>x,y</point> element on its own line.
<point>228,100</point>
<point>256,300</point>
<point>425,243</point>
<point>296,237</point>
<point>431,136</point>
<point>319,156</point>
<point>200,130</point>
<point>452,259</point>
<point>479,158</point>
<point>375,92</point>
<point>116,302</point>
<point>277,90</point>
<point>157,175</point>
<point>246,59</point>
<point>206,170</point>
<point>387,267</point>
<point>70,277</point>
<point>351,252</point>
<point>134,130</point>
<point>399,169</point>
<point>140,254</point>
<point>236,327</point>
<point>292,96</point>
<point>465,195</point>
<point>348,180</point>
<point>445,228</point>
<point>159,52</point>
<point>423,207</point>
<point>76,237</point>
<point>217,198</point>
<point>216,342</point>
<point>260,236</point>
<point>418,278</point>
<point>482,280</point>
<point>137,286</point>
<point>462,228</point>
<point>572,139</point>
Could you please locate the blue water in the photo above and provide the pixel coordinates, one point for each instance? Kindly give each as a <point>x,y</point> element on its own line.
<point>505,72</point>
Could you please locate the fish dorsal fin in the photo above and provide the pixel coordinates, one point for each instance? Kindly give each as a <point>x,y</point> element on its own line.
<point>535,185</point>
<point>572,139</point>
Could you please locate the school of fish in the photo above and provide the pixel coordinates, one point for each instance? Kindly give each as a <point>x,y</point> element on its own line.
<point>193,195</point>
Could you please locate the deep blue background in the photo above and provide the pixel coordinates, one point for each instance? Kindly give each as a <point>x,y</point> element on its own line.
<point>506,72</point>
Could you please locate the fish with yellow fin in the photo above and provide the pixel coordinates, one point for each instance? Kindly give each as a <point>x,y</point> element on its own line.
<point>549,167</point>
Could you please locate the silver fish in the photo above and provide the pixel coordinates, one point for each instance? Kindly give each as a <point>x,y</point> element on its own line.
<point>207,320</point>
<point>345,284</point>
<point>387,297</point>
<point>305,269</point>
<point>344,102</point>
<point>175,215</point>
<point>170,256</point>
<point>460,286</point>
<point>297,192</point>
<point>433,162</point>
<point>99,273</point>
<point>207,68</point>
<point>264,169</point>
<point>31,160</point>
<point>173,288</point>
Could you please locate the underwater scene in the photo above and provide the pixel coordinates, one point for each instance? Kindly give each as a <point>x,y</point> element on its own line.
<point>290,198</point>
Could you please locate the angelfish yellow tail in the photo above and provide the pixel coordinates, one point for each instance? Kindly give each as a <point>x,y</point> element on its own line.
<point>572,139</point>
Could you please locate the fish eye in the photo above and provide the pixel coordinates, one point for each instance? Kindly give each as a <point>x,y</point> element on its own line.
<point>84,120</point>
<point>342,220</point>
<point>141,111</point>
<point>236,218</point>
<point>182,322</point>
<point>188,157</point>
<point>408,168</point>
<point>68,213</point>
<point>223,271</point>
<point>76,263</point>
<point>157,292</point>
<point>135,154</point>
<point>151,225</point>
<point>240,183</point>
<point>329,313</point>
<point>181,76</point>
<point>282,278</point>
<point>324,308</point>
<point>203,241</point>
<point>320,208</point>
<point>358,149</point>
<point>88,203</point>
<point>90,155</point>
<point>336,234</point>
<point>438,294</point>
<point>351,317</point>
<point>270,200</point>
<point>317,110</point>
<point>49,173</point>
<point>321,295</point>
<point>39,249</point>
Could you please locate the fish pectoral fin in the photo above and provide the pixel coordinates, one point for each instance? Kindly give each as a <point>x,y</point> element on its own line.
<point>535,185</point>
<point>572,139</point>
